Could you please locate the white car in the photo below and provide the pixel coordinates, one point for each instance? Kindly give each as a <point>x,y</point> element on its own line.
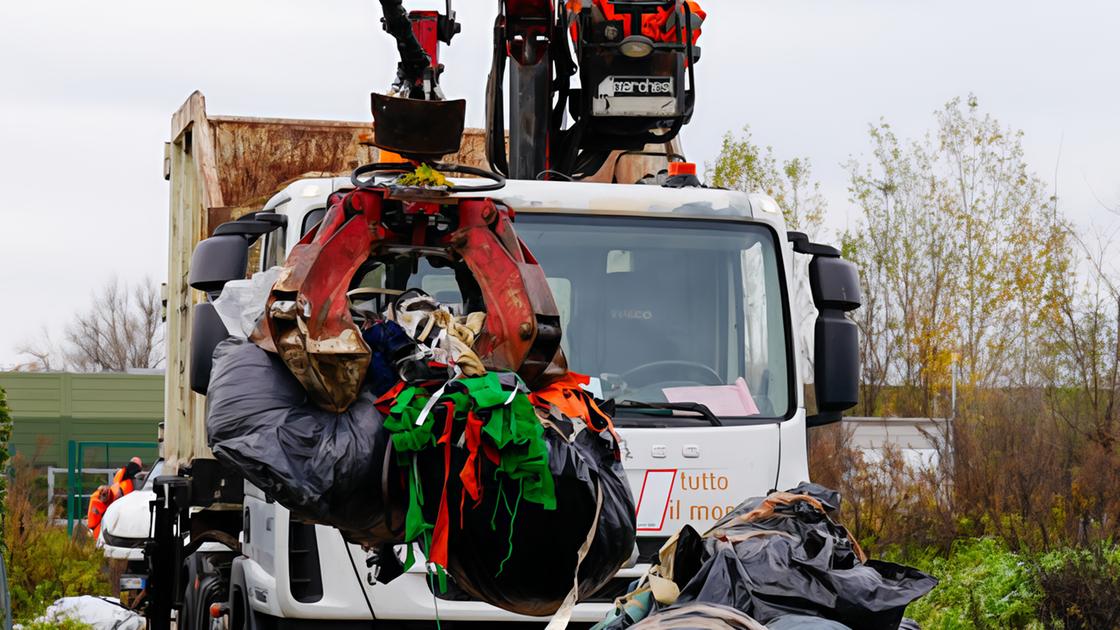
<point>125,526</point>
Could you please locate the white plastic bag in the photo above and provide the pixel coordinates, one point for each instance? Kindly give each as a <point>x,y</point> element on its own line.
<point>102,613</point>
<point>242,302</point>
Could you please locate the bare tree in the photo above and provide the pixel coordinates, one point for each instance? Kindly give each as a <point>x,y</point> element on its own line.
<point>43,353</point>
<point>1087,345</point>
<point>121,329</point>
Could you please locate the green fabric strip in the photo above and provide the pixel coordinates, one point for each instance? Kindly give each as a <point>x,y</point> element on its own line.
<point>513,429</point>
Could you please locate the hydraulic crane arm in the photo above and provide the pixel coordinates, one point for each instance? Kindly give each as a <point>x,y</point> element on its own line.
<point>635,61</point>
<point>632,57</point>
<point>414,59</point>
<point>418,35</point>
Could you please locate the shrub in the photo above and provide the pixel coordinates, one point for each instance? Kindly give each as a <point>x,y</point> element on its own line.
<point>1080,588</point>
<point>986,585</point>
<point>44,562</point>
<point>5,437</point>
<point>983,585</point>
<point>887,504</point>
<point>1013,473</point>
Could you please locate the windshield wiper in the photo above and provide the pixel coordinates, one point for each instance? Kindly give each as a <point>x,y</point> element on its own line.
<point>692,407</point>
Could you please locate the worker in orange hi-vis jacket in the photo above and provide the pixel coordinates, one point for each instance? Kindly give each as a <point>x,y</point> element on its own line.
<point>103,497</point>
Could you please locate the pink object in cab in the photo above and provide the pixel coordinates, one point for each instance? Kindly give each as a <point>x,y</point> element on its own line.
<point>724,400</point>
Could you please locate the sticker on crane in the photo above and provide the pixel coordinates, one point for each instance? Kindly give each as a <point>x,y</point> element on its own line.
<point>653,500</point>
<point>640,86</point>
<point>636,96</point>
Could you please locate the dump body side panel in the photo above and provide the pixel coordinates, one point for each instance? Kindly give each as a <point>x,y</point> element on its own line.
<point>221,168</point>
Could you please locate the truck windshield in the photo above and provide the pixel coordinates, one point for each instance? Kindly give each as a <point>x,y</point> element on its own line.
<point>665,310</point>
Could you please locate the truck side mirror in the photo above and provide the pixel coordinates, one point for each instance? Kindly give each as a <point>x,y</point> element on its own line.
<point>217,260</point>
<point>836,291</point>
<point>835,284</point>
<point>207,331</point>
<point>225,255</point>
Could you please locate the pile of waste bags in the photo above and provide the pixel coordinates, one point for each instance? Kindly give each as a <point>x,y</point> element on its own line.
<point>492,481</point>
<point>99,613</point>
<point>504,479</point>
<point>780,560</point>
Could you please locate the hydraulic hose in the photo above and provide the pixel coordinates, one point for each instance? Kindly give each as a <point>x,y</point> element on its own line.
<point>414,60</point>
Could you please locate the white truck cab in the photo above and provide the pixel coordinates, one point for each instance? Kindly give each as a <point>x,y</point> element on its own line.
<point>665,295</point>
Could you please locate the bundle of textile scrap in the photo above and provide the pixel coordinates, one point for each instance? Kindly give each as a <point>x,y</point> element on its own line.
<point>782,561</point>
<point>491,481</point>
<point>501,481</point>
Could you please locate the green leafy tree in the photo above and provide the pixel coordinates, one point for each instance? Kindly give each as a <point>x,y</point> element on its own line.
<point>963,255</point>
<point>747,167</point>
<point>902,246</point>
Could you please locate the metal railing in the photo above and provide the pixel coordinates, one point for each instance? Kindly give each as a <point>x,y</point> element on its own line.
<point>57,492</point>
<point>75,469</point>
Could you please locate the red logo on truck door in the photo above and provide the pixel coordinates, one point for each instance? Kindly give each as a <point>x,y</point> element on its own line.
<point>653,500</point>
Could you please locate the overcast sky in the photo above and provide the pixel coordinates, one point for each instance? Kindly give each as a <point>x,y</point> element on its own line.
<point>87,90</point>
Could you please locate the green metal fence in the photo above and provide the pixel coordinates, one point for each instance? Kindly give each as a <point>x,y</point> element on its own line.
<point>77,501</point>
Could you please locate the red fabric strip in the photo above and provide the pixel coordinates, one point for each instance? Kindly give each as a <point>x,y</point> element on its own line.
<point>439,553</point>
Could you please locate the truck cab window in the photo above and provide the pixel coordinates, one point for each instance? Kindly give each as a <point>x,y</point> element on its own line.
<point>670,310</point>
<point>274,249</point>
<point>311,219</point>
<point>661,311</point>
<point>658,310</point>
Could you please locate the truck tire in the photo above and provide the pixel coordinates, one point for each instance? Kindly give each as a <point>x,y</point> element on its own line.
<point>208,575</point>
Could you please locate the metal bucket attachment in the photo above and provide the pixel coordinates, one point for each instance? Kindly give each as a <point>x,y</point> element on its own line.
<point>418,129</point>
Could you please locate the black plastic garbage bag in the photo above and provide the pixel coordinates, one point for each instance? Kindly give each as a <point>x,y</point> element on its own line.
<point>325,467</point>
<point>337,469</point>
<point>804,622</point>
<point>783,555</point>
<point>525,562</point>
<point>699,616</point>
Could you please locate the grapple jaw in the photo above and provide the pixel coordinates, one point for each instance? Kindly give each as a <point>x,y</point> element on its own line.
<point>308,321</point>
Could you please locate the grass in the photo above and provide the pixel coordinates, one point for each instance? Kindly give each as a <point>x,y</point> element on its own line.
<point>984,585</point>
<point>45,562</point>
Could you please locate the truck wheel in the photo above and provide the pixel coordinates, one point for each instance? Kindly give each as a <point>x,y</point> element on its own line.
<point>207,583</point>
